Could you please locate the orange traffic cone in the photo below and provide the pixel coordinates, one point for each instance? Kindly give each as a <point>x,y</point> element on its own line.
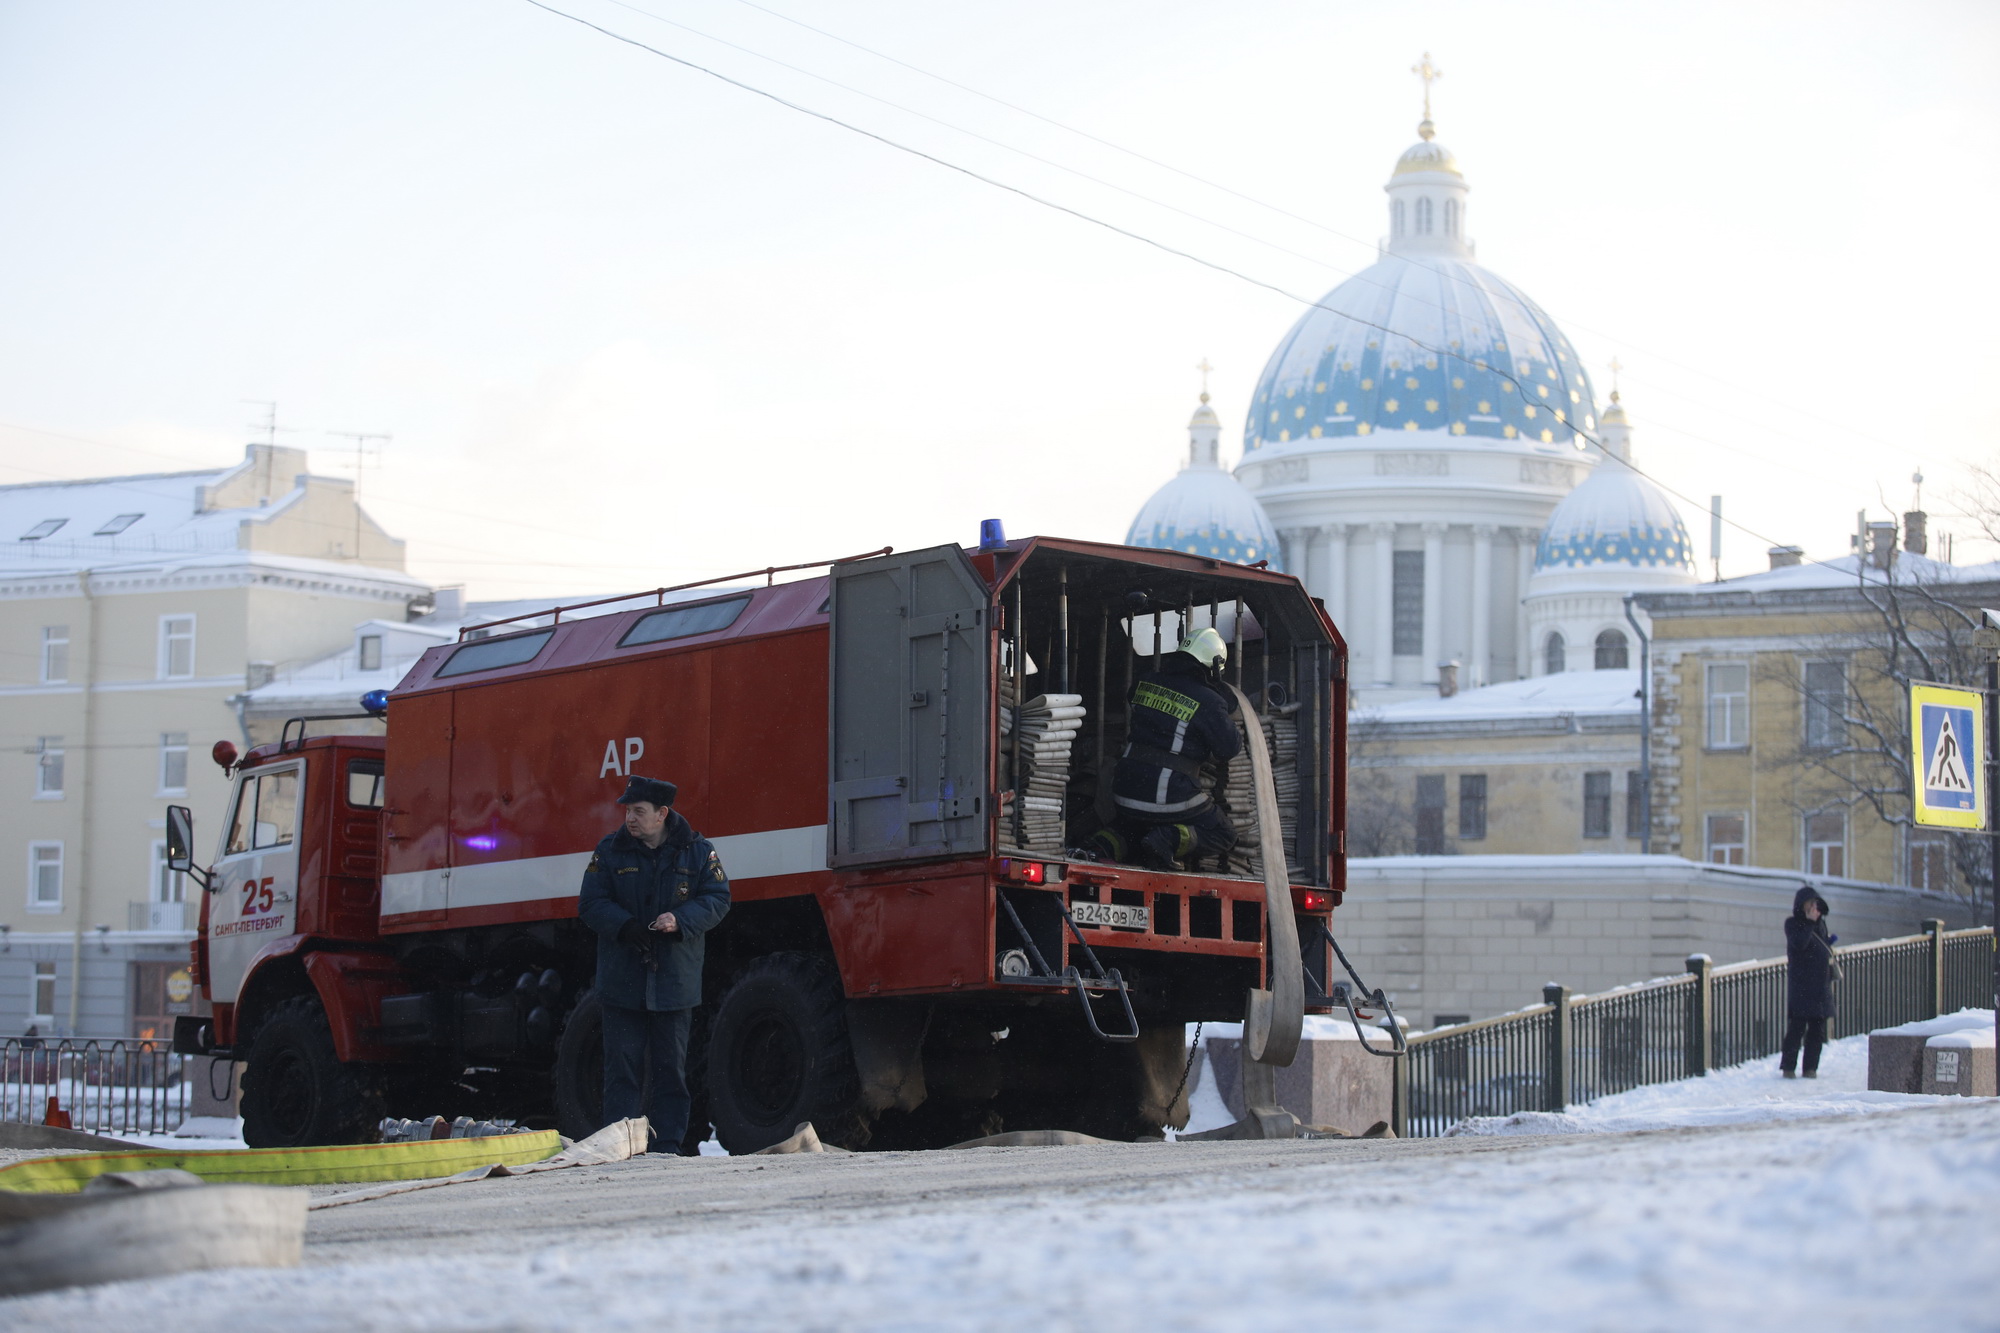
<point>56,1116</point>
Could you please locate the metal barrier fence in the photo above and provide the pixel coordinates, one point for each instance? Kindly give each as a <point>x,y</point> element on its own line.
<point>1572,1049</point>
<point>105,1087</point>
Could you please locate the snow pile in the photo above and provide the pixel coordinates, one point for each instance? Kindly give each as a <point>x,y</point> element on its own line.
<point>1738,1095</point>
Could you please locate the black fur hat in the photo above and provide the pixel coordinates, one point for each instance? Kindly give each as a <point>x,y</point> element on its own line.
<point>653,791</point>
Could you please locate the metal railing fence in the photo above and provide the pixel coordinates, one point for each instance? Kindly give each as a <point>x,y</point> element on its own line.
<point>104,1086</point>
<point>1572,1049</point>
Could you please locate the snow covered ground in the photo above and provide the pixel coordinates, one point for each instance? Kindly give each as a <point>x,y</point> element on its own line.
<point>1739,1095</point>
<point>1842,1222</point>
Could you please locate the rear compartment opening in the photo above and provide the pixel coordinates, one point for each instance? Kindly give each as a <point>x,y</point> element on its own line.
<point>1077,630</point>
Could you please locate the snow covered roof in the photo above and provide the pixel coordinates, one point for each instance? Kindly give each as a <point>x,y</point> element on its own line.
<point>1564,694</point>
<point>1839,573</point>
<point>65,524</point>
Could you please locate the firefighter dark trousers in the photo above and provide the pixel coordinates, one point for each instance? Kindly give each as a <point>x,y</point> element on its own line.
<point>1140,841</point>
<point>645,1070</point>
<point>1813,1032</point>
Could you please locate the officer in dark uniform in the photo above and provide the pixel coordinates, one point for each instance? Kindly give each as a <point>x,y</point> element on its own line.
<point>1179,722</point>
<point>652,890</point>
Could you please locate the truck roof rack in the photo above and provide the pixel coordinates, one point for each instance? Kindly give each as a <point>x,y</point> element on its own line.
<point>659,595</point>
<point>288,742</point>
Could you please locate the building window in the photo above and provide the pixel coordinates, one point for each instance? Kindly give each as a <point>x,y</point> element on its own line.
<point>1430,815</point>
<point>49,768</point>
<point>1826,705</point>
<point>173,763</point>
<point>371,652</point>
<point>1407,604</point>
<point>176,647</point>
<point>1553,655</point>
<point>1929,863</point>
<point>1596,805</point>
<point>1396,218</point>
<point>1472,805</point>
<point>55,654</point>
<point>45,874</point>
<point>168,885</point>
<point>1635,803</point>
<point>1451,218</point>
<point>1728,706</point>
<point>1726,844</point>
<point>1423,217</point>
<point>44,1009</point>
<point>1826,843</point>
<point>1611,654</point>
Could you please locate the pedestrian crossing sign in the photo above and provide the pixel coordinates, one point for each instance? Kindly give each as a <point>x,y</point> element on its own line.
<point>1948,755</point>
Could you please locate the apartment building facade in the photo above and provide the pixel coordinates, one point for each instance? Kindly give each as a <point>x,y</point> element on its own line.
<point>135,614</point>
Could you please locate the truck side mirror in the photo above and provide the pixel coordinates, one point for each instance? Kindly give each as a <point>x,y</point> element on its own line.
<point>180,839</point>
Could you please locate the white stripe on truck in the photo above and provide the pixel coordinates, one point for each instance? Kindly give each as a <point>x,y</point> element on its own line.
<point>785,851</point>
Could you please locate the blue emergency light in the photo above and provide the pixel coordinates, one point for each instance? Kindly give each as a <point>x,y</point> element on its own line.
<point>992,536</point>
<point>375,703</point>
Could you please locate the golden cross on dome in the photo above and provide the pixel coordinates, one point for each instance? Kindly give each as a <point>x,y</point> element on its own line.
<point>1430,74</point>
<point>1616,366</point>
<point>1204,368</point>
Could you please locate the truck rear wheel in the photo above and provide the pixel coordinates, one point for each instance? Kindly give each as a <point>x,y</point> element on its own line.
<point>579,1072</point>
<point>296,1092</point>
<point>779,1055</point>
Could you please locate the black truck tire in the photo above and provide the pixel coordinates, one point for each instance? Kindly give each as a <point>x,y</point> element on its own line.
<point>579,1071</point>
<point>779,1056</point>
<point>296,1091</point>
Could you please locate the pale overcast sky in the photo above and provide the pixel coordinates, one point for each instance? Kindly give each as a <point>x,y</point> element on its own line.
<point>629,325</point>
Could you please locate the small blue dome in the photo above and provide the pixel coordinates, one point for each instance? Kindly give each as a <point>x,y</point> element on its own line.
<point>1615,518</point>
<point>1471,354</point>
<point>1204,510</point>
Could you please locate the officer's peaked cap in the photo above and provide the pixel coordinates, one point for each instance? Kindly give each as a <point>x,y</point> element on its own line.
<point>654,791</point>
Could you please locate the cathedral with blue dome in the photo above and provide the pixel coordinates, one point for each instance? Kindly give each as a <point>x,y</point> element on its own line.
<point>1413,445</point>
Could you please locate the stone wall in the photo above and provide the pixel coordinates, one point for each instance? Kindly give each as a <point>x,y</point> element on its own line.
<point>1472,936</point>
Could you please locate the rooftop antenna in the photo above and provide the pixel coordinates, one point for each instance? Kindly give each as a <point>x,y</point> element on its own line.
<point>1715,536</point>
<point>362,440</point>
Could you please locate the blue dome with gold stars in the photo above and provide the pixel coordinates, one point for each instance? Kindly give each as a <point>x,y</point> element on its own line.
<point>1616,518</point>
<point>1422,342</point>
<point>1204,510</point>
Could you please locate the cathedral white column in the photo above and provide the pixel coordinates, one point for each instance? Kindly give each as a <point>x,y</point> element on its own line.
<point>1482,603</point>
<point>1524,551</point>
<point>1385,602</point>
<point>1335,535</point>
<point>1433,599</point>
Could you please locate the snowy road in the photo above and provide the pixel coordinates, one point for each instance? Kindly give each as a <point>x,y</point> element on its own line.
<point>1854,1222</point>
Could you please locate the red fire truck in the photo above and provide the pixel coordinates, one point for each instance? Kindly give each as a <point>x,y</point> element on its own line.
<point>911,958</point>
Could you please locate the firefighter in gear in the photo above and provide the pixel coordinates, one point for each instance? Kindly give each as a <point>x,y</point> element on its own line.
<point>652,890</point>
<point>1179,722</point>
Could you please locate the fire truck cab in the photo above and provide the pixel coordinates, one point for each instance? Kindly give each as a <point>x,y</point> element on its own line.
<point>893,760</point>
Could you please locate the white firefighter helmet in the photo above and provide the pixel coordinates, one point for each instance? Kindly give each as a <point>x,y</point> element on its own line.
<point>1206,647</point>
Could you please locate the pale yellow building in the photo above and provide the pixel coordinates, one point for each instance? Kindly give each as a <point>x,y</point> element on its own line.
<point>1779,716</point>
<point>135,614</point>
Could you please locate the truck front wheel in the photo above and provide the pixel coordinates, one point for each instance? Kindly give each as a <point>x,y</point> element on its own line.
<point>296,1092</point>
<point>779,1056</point>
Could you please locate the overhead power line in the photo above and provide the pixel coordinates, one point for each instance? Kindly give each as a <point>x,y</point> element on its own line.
<point>1507,381</point>
<point>1218,186</point>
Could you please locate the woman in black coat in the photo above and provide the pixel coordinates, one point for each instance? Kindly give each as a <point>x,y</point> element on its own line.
<point>1808,981</point>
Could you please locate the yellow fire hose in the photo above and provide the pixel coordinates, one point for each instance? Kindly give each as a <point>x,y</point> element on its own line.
<point>286,1166</point>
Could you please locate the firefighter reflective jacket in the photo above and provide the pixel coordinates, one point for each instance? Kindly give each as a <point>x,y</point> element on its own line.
<point>1179,722</point>
<point>628,881</point>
